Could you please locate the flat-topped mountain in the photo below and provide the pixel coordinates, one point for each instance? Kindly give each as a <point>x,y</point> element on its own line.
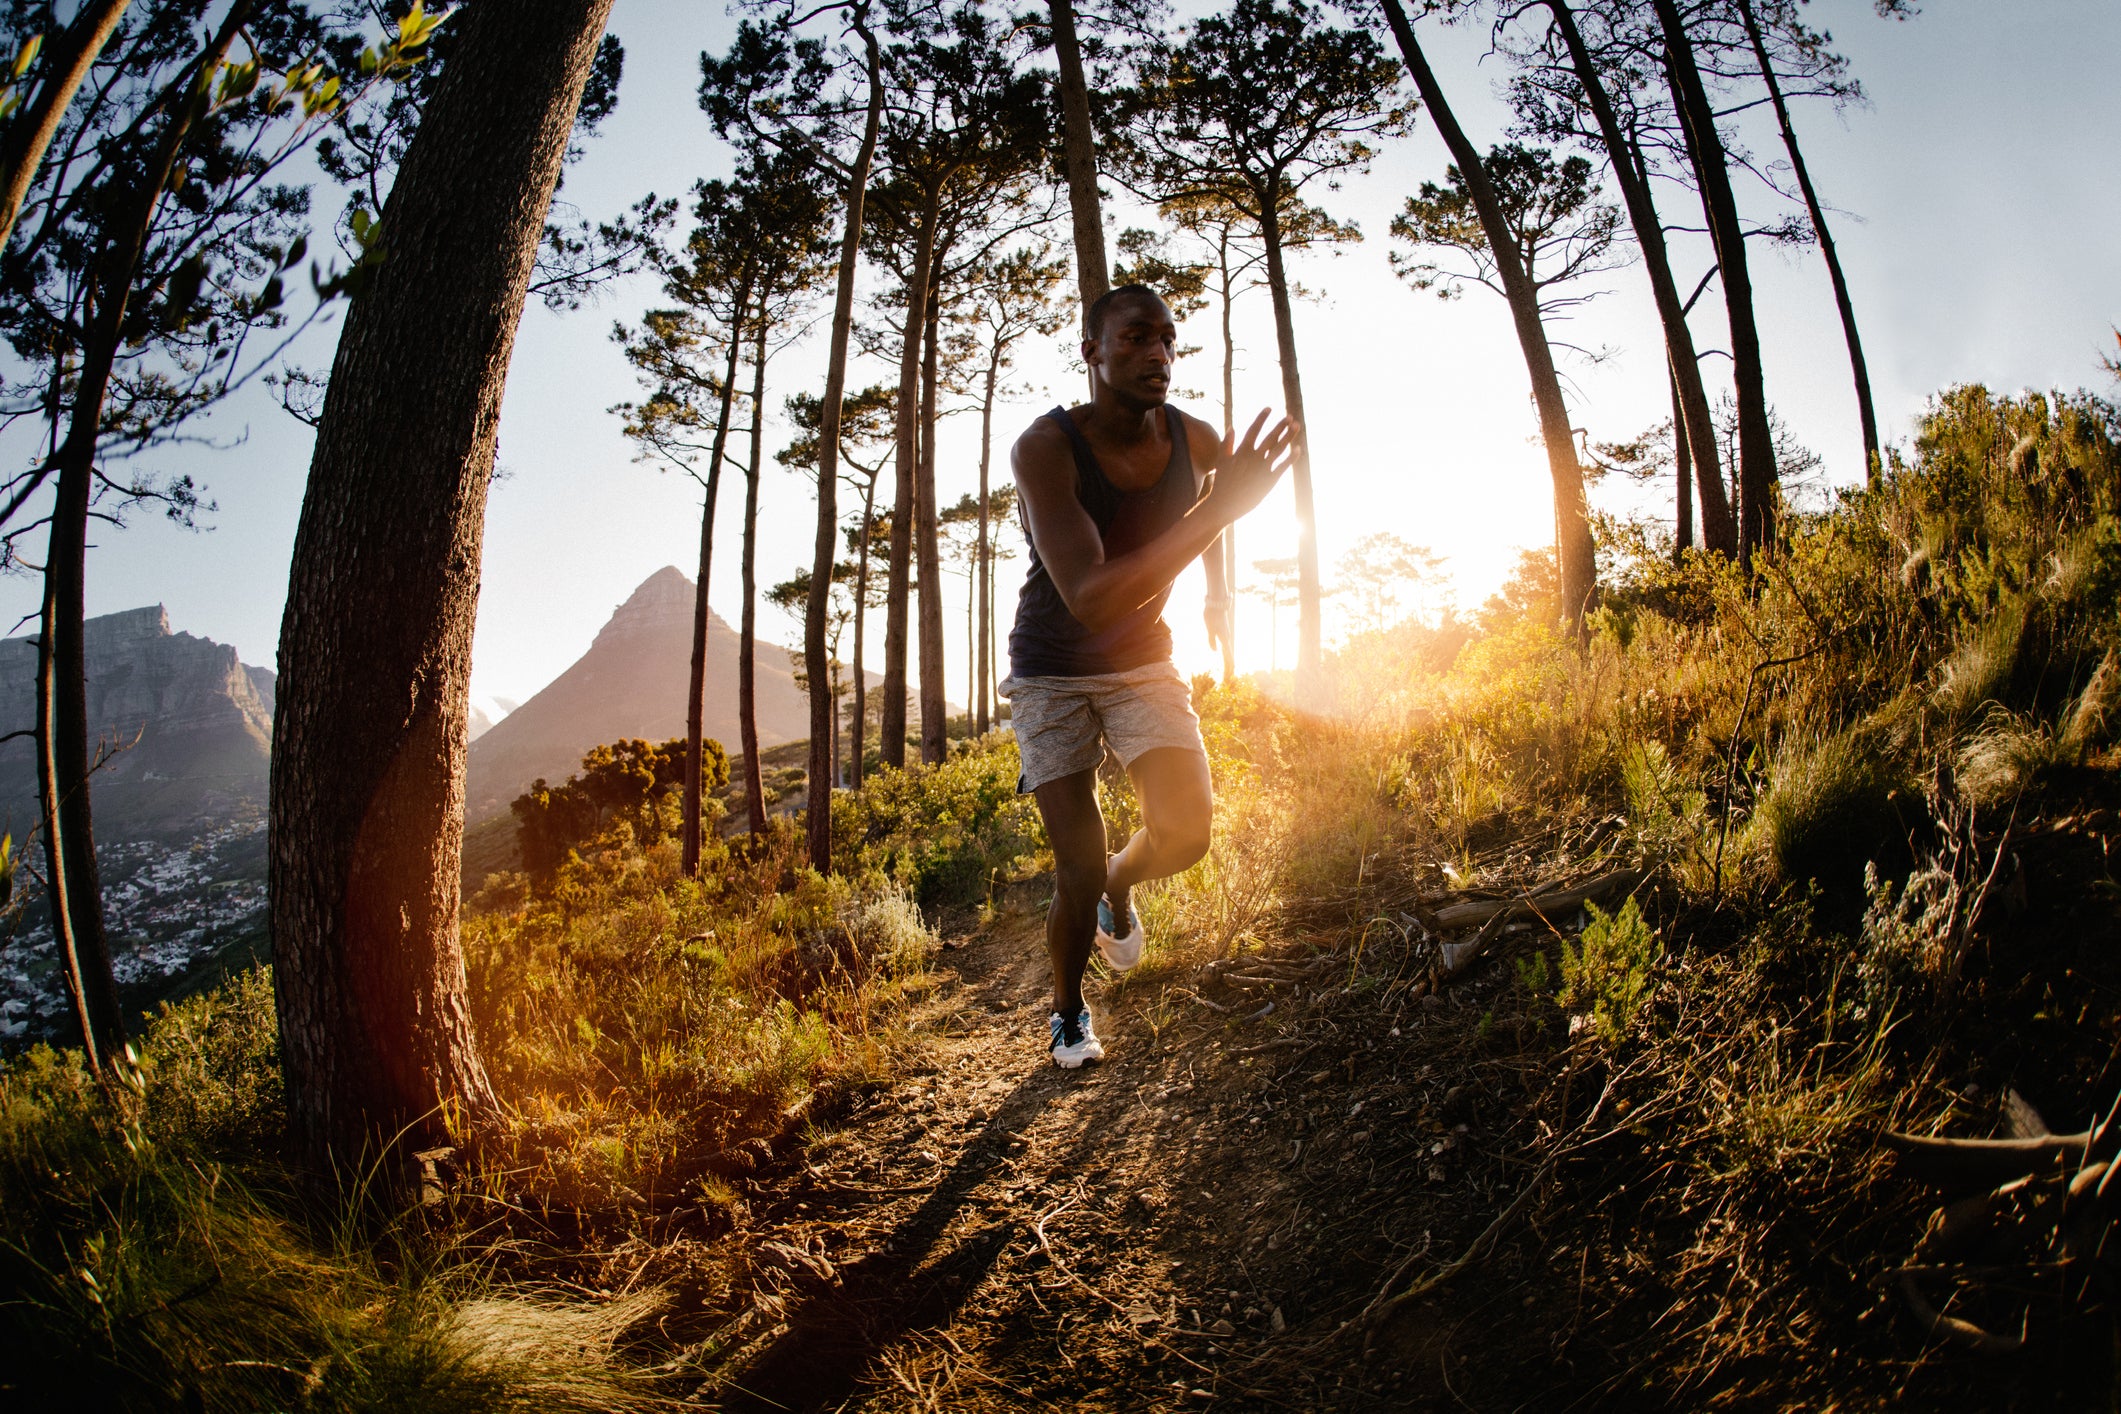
<point>190,722</point>
<point>631,683</point>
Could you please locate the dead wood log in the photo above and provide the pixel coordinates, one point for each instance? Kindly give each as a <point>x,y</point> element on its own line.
<point>1983,1163</point>
<point>1546,905</point>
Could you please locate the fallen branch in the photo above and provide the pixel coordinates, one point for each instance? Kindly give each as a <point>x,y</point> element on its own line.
<point>1961,1163</point>
<point>1466,915</point>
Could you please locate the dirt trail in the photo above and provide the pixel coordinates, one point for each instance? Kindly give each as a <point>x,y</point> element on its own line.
<point>1184,1226</point>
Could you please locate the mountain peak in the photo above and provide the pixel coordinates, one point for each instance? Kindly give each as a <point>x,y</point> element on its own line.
<point>664,596</point>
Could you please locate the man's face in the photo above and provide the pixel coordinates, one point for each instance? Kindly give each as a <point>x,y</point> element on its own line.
<point>1134,350</point>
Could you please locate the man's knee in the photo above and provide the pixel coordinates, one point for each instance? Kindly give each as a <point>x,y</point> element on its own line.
<point>1079,879</point>
<point>1182,840</point>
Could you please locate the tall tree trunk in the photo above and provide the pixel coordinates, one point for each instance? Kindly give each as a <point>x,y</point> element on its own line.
<point>747,719</point>
<point>1683,472</point>
<point>898,595</point>
<point>29,136</point>
<point>1227,546</point>
<point>825,549</point>
<point>72,874</point>
<point>1692,422</point>
<point>928,548</point>
<point>1813,208</point>
<point>702,614</point>
<point>859,730</point>
<point>1577,556</point>
<point>1756,445</point>
<point>72,877</point>
<point>1310,624</point>
<point>983,681</point>
<point>1079,157</point>
<point>375,648</point>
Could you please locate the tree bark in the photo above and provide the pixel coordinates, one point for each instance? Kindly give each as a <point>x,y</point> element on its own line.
<point>1310,622</point>
<point>1577,556</point>
<point>1692,424</point>
<point>375,648</point>
<point>982,675</point>
<point>928,550</point>
<point>1093,276</point>
<point>906,490</point>
<point>1813,208</point>
<point>29,137</point>
<point>1756,444</point>
<point>702,612</point>
<point>747,720</point>
<point>825,549</point>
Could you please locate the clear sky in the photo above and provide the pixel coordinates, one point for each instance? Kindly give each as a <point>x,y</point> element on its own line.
<point>1981,215</point>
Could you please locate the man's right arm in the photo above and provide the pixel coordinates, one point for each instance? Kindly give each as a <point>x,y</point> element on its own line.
<point>1098,591</point>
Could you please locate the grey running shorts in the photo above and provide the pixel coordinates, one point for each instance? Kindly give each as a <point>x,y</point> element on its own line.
<point>1063,725</point>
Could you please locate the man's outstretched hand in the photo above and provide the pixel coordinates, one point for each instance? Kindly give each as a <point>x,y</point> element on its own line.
<point>1247,470</point>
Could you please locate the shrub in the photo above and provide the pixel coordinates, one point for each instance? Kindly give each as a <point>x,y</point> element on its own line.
<point>944,833</point>
<point>1608,974</point>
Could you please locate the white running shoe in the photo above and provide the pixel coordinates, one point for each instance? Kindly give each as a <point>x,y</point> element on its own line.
<point>1122,953</point>
<point>1073,1040</point>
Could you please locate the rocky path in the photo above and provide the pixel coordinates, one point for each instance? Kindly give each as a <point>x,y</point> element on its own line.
<point>1188,1225</point>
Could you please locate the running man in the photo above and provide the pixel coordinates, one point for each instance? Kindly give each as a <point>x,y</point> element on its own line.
<point>1114,506</point>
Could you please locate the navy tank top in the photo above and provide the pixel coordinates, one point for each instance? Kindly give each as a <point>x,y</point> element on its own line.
<point>1049,641</point>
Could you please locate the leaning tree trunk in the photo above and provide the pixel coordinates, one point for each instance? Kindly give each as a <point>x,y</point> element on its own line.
<point>1079,157</point>
<point>935,710</point>
<point>375,649</point>
<point>905,490</point>
<point>747,719</point>
<point>702,614</point>
<point>825,549</point>
<point>64,766</point>
<point>1310,624</point>
<point>1866,415</point>
<point>73,881</point>
<point>1572,523</point>
<point>29,137</point>
<point>1756,445</point>
<point>1693,426</point>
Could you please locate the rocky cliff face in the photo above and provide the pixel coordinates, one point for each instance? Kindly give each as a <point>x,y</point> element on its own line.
<point>190,726</point>
<point>631,683</point>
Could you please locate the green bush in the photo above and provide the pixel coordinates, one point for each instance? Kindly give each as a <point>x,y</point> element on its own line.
<point>944,833</point>
<point>1609,973</point>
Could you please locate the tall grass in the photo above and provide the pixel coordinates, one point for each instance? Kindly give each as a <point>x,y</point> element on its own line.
<point>154,1255</point>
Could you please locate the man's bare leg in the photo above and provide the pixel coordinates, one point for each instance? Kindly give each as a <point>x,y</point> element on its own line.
<point>1076,828</point>
<point>1177,801</point>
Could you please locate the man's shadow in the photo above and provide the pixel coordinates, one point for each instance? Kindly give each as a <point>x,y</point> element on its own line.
<point>835,1332</point>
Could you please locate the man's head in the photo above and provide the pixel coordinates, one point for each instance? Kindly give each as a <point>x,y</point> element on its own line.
<point>1129,341</point>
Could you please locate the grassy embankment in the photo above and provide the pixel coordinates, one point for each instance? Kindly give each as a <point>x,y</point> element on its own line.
<point>1852,784</point>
